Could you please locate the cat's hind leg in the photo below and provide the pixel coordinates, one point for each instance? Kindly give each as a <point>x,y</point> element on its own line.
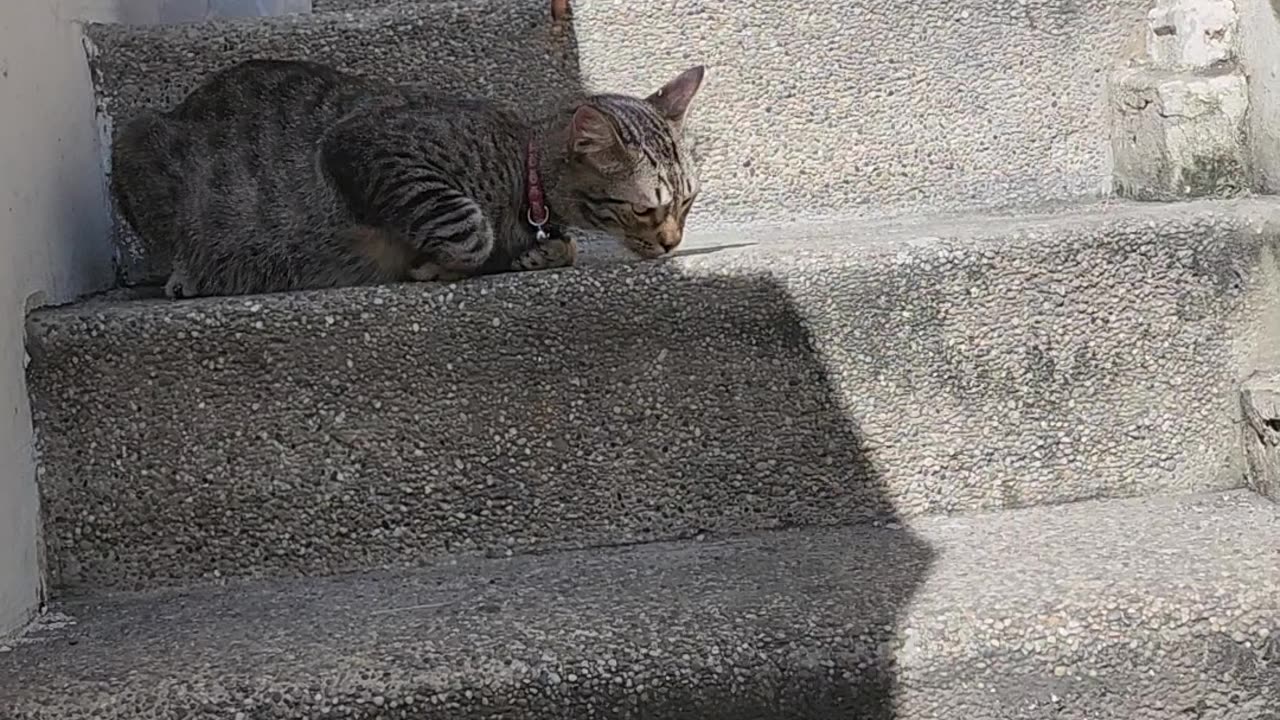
<point>430,272</point>
<point>448,235</point>
<point>180,284</point>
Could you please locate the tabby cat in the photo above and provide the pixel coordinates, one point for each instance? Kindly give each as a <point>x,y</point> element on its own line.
<point>285,175</point>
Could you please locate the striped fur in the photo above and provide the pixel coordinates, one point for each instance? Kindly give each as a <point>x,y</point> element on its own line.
<point>283,175</point>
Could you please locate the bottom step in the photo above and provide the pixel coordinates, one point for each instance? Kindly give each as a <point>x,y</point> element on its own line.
<point>1142,609</point>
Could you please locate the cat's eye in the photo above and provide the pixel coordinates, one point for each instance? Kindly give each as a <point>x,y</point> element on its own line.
<point>643,211</point>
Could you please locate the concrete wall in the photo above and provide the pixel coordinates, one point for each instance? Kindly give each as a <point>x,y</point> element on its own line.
<point>53,241</point>
<point>1260,56</point>
<point>151,12</point>
<point>55,228</point>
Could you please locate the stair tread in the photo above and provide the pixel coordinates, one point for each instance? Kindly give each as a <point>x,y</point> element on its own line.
<point>1079,602</point>
<point>791,247</point>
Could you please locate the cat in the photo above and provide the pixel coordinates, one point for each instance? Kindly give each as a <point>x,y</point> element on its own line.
<point>278,175</point>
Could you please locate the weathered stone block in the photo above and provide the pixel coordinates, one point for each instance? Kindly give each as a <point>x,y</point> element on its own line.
<point>1179,135</point>
<point>1261,404</point>
<point>1187,34</point>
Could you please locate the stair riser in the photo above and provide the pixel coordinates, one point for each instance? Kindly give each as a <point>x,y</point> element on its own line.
<point>857,106</point>
<point>845,107</point>
<point>503,49</point>
<point>733,390</point>
<point>818,681</point>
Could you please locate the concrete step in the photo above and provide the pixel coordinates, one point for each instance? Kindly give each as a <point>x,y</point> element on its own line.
<point>766,376</point>
<point>846,108</point>
<point>1115,610</point>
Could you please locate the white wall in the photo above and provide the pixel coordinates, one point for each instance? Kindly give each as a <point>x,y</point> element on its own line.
<point>54,223</point>
<point>54,240</point>
<point>150,12</point>
<point>1260,56</point>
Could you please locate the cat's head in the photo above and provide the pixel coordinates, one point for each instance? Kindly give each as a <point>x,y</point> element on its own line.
<point>630,172</point>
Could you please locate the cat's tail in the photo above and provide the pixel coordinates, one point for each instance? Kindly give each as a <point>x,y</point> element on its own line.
<point>146,177</point>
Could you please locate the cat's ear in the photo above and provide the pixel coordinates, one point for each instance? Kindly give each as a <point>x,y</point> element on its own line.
<point>591,131</point>
<point>673,99</point>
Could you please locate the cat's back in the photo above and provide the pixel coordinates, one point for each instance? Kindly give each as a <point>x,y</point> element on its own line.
<point>236,156</point>
<point>291,94</point>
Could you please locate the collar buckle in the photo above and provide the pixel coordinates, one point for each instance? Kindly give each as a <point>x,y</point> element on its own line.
<point>538,215</point>
<point>539,226</point>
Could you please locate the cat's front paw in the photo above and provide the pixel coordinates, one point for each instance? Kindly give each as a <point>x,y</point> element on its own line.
<point>552,253</point>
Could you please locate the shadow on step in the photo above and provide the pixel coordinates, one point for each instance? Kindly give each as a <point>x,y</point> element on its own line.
<point>329,432</point>
<point>711,408</point>
<point>509,50</point>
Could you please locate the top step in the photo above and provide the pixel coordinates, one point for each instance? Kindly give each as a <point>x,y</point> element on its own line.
<point>848,107</point>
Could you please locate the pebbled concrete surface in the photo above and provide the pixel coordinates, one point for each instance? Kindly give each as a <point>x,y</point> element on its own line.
<point>872,108</point>
<point>505,49</point>
<point>1121,610</point>
<point>851,108</point>
<point>766,377</point>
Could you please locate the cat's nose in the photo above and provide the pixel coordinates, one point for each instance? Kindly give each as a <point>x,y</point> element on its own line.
<point>669,235</point>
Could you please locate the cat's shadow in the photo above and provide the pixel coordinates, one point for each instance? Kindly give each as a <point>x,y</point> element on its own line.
<point>695,251</point>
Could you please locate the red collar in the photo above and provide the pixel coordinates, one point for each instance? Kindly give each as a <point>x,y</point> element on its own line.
<point>538,214</point>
